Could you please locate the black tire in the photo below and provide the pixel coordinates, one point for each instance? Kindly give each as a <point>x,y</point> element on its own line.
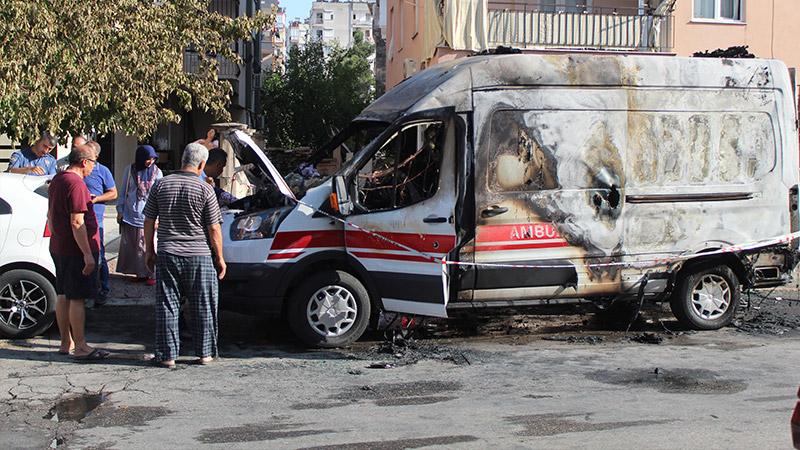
<point>40,308</point>
<point>687,304</point>
<point>300,309</point>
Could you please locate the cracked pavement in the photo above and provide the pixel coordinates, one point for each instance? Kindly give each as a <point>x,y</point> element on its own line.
<point>521,381</point>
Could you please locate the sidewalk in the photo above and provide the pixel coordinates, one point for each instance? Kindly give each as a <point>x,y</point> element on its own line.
<point>124,289</point>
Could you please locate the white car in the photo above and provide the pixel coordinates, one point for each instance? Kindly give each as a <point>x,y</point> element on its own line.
<point>27,273</point>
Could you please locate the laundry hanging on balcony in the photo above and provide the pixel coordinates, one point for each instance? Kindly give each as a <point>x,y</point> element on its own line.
<point>465,25</point>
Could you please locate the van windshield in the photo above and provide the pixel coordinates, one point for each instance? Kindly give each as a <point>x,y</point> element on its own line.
<point>360,134</point>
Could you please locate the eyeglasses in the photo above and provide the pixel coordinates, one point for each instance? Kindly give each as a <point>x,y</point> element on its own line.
<point>94,161</point>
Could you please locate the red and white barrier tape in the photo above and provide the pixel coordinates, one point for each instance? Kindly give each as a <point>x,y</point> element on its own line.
<point>629,264</point>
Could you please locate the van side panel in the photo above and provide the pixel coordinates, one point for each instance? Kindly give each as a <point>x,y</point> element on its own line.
<point>626,174</point>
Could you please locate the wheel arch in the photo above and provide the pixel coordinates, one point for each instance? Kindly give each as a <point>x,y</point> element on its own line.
<point>332,260</point>
<point>32,267</point>
<point>730,260</point>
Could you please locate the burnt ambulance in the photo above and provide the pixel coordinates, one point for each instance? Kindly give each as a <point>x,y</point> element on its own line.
<point>522,179</point>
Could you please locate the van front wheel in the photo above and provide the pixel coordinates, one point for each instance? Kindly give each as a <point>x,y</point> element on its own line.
<point>330,309</point>
<point>706,299</point>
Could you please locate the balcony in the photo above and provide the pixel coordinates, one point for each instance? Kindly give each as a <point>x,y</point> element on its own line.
<point>226,70</point>
<point>529,26</point>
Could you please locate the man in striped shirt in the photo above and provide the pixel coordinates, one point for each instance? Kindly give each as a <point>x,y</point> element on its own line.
<point>189,260</point>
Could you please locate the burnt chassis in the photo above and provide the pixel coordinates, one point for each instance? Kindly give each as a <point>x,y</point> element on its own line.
<point>743,263</point>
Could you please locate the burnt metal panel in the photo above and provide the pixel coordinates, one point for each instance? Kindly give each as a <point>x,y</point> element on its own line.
<point>502,277</point>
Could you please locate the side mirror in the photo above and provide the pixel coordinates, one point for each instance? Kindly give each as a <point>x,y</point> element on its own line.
<point>340,200</point>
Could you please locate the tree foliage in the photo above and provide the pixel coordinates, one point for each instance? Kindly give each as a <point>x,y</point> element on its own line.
<point>317,95</point>
<point>111,65</point>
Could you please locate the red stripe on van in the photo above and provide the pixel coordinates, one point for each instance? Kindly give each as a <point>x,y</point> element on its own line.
<point>428,243</point>
<point>517,232</point>
<point>307,239</point>
<point>412,258</point>
<point>521,246</point>
<point>284,255</point>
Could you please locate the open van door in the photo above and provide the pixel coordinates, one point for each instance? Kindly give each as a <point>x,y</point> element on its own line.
<point>403,199</point>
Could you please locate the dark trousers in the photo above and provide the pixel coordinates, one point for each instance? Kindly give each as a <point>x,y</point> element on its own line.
<point>194,278</point>
<point>102,268</point>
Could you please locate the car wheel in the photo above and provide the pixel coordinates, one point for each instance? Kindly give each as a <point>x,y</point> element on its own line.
<point>27,303</point>
<point>330,309</point>
<point>706,299</point>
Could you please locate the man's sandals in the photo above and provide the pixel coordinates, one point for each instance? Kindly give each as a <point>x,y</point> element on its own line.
<point>96,355</point>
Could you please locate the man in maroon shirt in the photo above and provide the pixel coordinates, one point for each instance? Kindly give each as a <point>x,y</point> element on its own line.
<point>74,246</point>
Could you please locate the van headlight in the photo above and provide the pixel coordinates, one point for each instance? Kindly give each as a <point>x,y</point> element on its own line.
<point>261,225</point>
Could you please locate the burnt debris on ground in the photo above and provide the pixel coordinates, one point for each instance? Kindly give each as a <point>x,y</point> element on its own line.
<point>769,316</point>
<point>573,339</point>
<point>405,351</point>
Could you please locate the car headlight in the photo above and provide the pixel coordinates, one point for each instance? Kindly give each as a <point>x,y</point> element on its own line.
<point>262,225</point>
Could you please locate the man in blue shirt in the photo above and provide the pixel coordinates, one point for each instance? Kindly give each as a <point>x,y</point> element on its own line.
<point>102,189</point>
<point>36,160</point>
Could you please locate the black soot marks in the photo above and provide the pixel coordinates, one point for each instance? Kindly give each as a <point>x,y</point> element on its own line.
<point>255,432</point>
<point>552,424</point>
<point>671,381</point>
<point>388,392</point>
<point>405,401</point>
<point>319,405</point>
<point>401,444</point>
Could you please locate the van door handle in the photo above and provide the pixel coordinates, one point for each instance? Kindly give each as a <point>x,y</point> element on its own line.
<point>493,210</point>
<point>434,219</point>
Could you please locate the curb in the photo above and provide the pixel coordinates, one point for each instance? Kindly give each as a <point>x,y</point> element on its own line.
<point>141,301</point>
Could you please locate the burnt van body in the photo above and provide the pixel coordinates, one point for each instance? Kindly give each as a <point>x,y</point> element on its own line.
<point>515,179</point>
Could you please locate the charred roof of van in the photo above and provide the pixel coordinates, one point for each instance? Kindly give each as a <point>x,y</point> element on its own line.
<point>450,83</point>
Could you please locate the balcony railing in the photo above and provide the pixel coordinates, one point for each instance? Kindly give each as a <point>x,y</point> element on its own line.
<point>578,26</point>
<point>226,70</point>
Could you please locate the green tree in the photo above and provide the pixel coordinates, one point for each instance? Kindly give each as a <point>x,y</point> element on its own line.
<point>111,65</point>
<point>317,95</point>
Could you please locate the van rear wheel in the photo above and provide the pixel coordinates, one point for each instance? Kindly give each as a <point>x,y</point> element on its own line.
<point>706,299</point>
<point>330,309</point>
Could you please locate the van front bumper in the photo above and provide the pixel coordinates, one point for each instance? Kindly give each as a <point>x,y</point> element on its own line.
<point>252,288</point>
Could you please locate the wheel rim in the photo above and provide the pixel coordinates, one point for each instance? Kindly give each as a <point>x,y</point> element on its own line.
<point>332,311</point>
<point>711,297</point>
<point>23,304</point>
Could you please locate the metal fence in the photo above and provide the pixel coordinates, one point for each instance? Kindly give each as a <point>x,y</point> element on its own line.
<point>578,26</point>
<point>226,70</point>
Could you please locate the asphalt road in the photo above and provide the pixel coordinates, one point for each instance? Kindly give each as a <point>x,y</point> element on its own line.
<point>505,381</point>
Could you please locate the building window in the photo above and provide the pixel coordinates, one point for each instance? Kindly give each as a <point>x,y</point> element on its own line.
<point>719,9</point>
<point>415,5</point>
<point>319,34</point>
<point>390,47</point>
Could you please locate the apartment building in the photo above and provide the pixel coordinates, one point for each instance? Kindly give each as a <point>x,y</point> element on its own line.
<point>337,22</point>
<point>299,34</point>
<point>274,49</point>
<point>423,32</point>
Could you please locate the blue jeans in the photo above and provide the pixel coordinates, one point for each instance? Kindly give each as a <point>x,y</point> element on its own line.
<point>102,268</point>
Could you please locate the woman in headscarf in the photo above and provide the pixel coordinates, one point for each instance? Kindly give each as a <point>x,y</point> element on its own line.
<point>137,181</point>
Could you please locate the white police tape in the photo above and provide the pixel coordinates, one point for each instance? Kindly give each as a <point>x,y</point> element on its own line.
<point>641,264</point>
